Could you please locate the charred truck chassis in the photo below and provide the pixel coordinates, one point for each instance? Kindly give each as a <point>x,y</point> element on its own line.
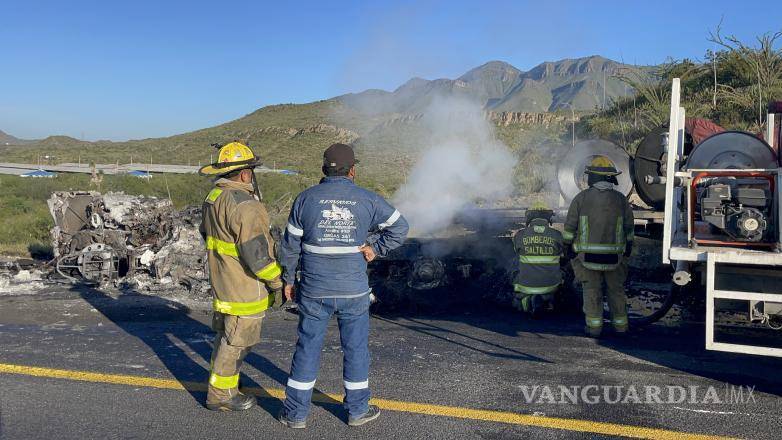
<point>460,271</point>
<point>113,238</point>
<point>473,266</point>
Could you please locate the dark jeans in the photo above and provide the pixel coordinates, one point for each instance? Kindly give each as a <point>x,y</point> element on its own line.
<point>353,319</point>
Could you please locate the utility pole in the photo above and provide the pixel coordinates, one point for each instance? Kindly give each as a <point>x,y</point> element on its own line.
<point>635,94</point>
<point>572,122</point>
<point>573,125</point>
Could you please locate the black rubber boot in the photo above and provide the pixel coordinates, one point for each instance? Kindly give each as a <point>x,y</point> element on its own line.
<point>593,332</point>
<point>620,332</point>
<point>368,416</point>
<point>239,402</point>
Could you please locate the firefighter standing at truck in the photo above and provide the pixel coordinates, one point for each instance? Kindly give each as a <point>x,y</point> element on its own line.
<point>243,272</point>
<point>600,227</point>
<point>539,248</point>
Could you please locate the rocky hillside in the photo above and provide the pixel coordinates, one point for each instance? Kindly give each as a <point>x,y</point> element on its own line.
<point>582,83</point>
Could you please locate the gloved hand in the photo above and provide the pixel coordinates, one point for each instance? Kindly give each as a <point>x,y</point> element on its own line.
<point>628,249</point>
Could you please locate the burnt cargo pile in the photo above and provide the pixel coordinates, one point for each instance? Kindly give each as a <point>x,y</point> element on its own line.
<point>132,242</point>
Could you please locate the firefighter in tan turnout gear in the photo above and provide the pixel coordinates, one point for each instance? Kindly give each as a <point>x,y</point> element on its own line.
<point>600,226</point>
<point>244,274</point>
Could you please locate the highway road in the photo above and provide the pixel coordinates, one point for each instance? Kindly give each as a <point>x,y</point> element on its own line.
<point>78,363</point>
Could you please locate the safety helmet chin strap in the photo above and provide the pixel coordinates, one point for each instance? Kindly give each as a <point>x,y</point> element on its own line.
<point>593,178</point>
<point>256,189</point>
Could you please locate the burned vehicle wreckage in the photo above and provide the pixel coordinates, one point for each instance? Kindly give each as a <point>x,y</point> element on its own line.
<point>129,241</point>
<point>144,244</point>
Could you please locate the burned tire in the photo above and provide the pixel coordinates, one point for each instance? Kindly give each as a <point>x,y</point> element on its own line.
<point>666,302</point>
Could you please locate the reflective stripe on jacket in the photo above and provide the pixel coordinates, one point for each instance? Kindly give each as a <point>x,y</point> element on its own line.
<point>599,223</point>
<point>539,247</point>
<point>327,225</point>
<point>240,249</point>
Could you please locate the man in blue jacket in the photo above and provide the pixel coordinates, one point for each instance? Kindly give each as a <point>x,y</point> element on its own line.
<point>334,229</point>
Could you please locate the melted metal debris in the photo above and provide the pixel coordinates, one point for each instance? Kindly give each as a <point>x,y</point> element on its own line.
<point>132,242</point>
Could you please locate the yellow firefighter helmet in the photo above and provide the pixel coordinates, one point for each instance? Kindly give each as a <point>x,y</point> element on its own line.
<point>539,205</point>
<point>539,209</point>
<point>233,156</point>
<point>602,166</point>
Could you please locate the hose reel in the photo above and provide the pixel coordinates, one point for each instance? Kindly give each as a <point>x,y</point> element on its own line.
<point>570,171</point>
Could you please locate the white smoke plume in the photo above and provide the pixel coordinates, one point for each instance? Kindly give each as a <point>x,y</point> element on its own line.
<point>462,163</point>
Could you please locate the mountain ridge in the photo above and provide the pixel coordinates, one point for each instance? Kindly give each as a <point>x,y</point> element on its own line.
<point>584,84</point>
<point>496,85</point>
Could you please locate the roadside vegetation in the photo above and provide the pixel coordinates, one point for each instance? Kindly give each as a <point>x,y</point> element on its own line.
<point>731,86</point>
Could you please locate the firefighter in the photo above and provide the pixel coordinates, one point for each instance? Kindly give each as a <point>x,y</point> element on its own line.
<point>600,227</point>
<point>539,247</point>
<point>243,272</point>
<point>334,229</point>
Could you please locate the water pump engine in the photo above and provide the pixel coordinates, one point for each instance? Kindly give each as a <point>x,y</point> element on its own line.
<point>739,208</point>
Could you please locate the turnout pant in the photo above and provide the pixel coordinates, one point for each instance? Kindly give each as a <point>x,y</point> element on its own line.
<point>236,335</point>
<point>353,320</point>
<point>592,285</point>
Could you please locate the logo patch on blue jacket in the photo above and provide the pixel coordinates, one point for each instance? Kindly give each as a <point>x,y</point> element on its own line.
<point>338,223</point>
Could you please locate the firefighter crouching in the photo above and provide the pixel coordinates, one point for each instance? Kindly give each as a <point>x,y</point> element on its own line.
<point>243,272</point>
<point>539,248</point>
<point>600,226</point>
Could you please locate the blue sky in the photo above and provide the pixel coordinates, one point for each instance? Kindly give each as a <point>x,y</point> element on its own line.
<point>134,69</point>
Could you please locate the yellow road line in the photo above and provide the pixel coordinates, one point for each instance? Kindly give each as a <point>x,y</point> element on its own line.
<point>511,418</point>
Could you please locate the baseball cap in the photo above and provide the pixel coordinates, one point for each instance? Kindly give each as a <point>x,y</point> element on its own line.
<point>339,156</point>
